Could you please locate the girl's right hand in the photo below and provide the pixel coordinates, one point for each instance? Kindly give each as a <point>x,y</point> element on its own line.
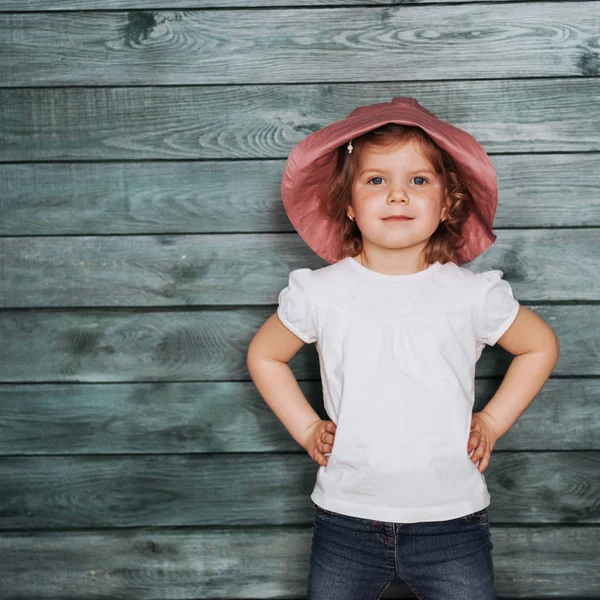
<point>319,440</point>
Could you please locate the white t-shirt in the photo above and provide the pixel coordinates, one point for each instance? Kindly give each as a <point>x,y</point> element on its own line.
<point>397,360</point>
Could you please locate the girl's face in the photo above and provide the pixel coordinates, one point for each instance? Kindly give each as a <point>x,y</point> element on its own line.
<point>396,182</point>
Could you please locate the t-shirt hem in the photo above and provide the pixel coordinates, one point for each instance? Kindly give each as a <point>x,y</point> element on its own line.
<point>402,515</point>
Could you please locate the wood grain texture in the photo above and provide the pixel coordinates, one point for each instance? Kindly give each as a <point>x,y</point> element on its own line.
<point>157,47</point>
<point>40,493</point>
<point>221,196</point>
<point>143,242</point>
<point>230,416</point>
<point>248,269</point>
<point>82,5</point>
<point>210,345</point>
<point>534,562</point>
<point>267,121</point>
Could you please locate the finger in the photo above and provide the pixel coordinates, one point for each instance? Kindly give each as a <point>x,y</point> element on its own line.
<point>320,459</point>
<point>472,453</point>
<point>322,447</point>
<point>327,438</point>
<point>485,461</point>
<point>474,440</point>
<point>480,450</point>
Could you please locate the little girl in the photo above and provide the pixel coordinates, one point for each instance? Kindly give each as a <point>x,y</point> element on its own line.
<point>396,200</point>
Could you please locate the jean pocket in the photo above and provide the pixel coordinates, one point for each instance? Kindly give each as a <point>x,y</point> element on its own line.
<point>479,517</point>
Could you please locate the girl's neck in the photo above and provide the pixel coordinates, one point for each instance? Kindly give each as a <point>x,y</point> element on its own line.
<point>391,267</point>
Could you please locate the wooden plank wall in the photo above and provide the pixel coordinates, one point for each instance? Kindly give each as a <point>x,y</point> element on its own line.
<point>143,242</point>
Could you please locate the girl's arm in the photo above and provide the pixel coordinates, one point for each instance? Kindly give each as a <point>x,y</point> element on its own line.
<point>271,348</point>
<point>536,349</point>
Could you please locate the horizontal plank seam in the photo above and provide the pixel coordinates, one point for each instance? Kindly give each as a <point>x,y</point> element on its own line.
<point>279,8</point>
<point>150,529</point>
<point>264,453</point>
<point>310,82</point>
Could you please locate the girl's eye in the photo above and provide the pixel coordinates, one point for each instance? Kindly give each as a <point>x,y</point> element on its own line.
<point>416,177</point>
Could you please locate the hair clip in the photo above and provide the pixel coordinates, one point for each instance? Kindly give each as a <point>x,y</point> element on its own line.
<point>350,147</point>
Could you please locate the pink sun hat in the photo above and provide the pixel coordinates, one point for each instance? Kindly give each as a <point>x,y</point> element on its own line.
<point>311,164</point>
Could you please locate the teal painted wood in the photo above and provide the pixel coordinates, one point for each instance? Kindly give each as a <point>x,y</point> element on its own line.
<point>210,345</point>
<point>216,122</point>
<point>228,416</point>
<point>157,424</point>
<point>497,41</point>
<point>257,562</point>
<point>248,269</point>
<point>219,197</point>
<point>66,492</point>
<point>157,197</point>
<point>82,5</point>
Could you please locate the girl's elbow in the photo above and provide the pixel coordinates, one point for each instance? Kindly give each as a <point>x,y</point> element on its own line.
<point>549,345</point>
<point>253,352</point>
<point>548,342</point>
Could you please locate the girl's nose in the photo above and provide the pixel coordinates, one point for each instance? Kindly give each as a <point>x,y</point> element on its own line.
<point>398,195</point>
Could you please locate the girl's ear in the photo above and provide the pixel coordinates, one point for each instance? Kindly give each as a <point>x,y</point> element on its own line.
<point>445,208</point>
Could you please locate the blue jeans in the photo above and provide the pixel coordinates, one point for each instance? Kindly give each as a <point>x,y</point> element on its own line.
<point>356,559</point>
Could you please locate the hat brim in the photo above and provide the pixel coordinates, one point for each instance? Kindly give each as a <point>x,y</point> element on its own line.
<point>312,162</point>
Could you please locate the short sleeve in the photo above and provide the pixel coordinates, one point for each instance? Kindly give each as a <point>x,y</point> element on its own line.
<point>497,307</point>
<point>295,308</point>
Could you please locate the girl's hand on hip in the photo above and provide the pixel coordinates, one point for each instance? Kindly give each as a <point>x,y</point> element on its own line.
<point>482,439</point>
<point>319,440</point>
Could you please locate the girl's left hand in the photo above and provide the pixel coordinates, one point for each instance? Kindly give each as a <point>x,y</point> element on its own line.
<point>482,439</point>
